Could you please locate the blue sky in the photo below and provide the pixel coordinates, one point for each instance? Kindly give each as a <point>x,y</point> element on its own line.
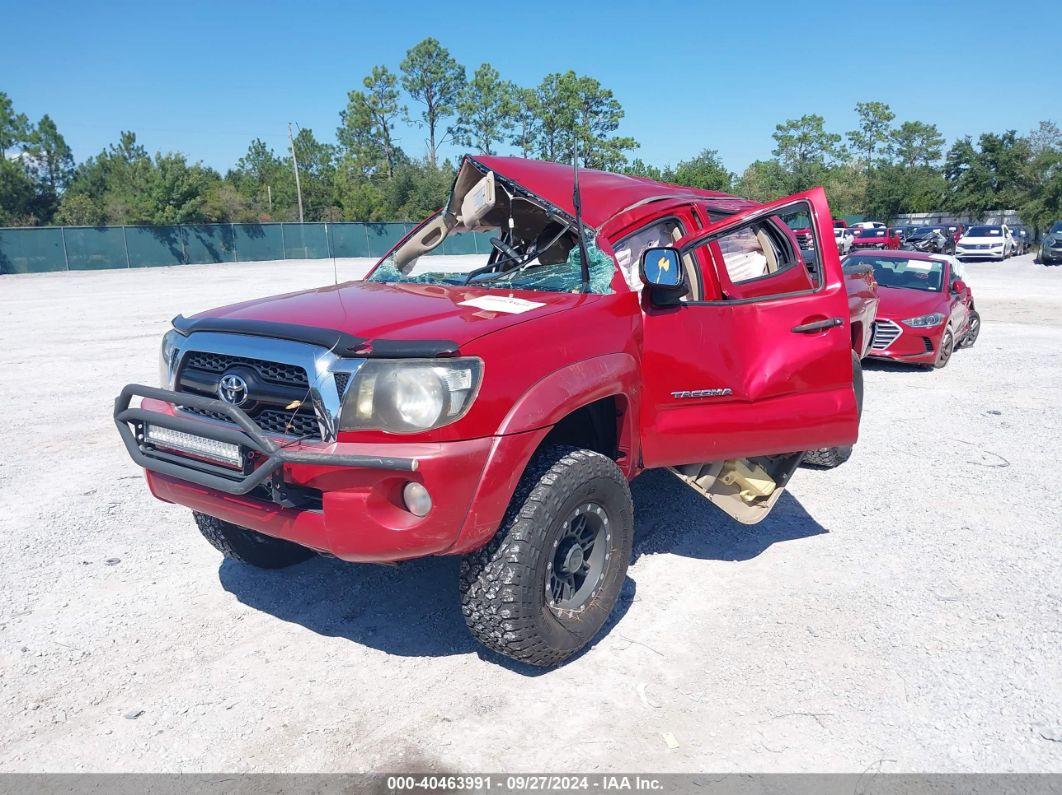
<point>206,78</point>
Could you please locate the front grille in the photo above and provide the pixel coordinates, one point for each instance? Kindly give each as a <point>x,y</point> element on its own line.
<point>274,372</point>
<point>885,333</point>
<point>285,423</point>
<point>289,423</point>
<point>342,379</point>
<point>301,422</point>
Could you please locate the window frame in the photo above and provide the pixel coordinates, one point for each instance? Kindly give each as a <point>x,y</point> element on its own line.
<point>669,216</point>
<point>809,208</point>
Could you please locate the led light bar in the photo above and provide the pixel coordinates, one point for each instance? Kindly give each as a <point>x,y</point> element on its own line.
<point>220,452</point>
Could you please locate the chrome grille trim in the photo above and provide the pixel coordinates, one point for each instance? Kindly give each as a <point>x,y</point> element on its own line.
<point>886,332</point>
<point>320,364</point>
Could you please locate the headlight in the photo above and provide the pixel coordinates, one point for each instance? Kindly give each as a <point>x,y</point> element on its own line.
<point>925,321</point>
<point>409,395</point>
<point>997,245</point>
<point>168,358</point>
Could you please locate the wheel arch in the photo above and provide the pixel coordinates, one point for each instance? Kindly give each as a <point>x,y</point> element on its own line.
<point>591,404</point>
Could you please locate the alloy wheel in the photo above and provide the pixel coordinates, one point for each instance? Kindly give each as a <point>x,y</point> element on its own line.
<point>580,558</point>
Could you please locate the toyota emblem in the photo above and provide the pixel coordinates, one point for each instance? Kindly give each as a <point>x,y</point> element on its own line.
<point>233,389</point>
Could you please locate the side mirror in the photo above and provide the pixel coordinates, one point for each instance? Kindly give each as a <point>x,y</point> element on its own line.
<point>959,287</point>
<point>661,271</point>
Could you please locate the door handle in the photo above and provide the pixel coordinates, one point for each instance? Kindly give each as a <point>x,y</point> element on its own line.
<point>818,325</point>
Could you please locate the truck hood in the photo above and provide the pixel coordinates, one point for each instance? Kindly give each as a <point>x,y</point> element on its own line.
<point>394,312</point>
<point>900,303</point>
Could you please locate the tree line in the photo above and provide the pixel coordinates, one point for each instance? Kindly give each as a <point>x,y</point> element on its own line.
<point>880,169</point>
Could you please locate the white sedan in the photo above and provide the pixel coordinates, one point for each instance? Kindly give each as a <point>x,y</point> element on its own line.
<point>844,238</point>
<point>985,242</point>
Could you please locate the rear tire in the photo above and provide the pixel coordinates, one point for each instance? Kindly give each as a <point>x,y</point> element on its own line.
<point>830,457</point>
<point>827,457</point>
<point>247,546</point>
<point>530,594</point>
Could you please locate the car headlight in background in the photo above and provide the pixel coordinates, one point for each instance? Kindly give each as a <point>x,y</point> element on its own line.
<point>410,395</point>
<point>168,358</point>
<point>925,321</point>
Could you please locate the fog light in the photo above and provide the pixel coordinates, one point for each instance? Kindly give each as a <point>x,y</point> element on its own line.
<point>417,499</point>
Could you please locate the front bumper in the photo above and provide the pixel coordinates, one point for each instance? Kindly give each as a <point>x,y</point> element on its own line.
<point>912,345</point>
<point>1050,255</point>
<point>341,498</point>
<point>963,253</point>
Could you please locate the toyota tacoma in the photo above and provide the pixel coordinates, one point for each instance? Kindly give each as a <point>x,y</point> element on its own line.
<point>497,409</point>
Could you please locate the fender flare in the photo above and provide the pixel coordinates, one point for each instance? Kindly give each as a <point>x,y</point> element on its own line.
<point>558,394</point>
<point>527,424</point>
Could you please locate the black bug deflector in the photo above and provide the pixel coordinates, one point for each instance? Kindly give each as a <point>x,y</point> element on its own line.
<point>248,436</point>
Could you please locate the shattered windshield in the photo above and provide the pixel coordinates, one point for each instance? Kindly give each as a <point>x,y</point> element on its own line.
<point>494,233</point>
<point>555,270</point>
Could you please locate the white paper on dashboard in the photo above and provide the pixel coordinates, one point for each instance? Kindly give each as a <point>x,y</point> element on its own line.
<point>501,303</point>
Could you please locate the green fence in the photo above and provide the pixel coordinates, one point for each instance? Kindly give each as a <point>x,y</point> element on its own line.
<point>75,248</point>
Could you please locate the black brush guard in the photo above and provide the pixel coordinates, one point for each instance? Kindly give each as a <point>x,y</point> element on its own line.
<point>248,436</point>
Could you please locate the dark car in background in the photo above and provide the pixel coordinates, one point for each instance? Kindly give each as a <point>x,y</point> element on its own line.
<point>1051,245</point>
<point>929,239</point>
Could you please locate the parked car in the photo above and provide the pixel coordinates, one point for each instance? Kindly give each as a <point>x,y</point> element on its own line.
<point>499,412</point>
<point>1051,245</point>
<point>1022,239</point>
<point>868,225</point>
<point>844,238</point>
<point>925,310</point>
<point>876,237</point>
<point>929,239</point>
<point>985,241</point>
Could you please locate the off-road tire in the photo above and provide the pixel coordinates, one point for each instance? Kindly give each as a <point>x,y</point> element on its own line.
<point>827,457</point>
<point>503,585</point>
<point>830,457</point>
<point>247,546</point>
<point>973,331</point>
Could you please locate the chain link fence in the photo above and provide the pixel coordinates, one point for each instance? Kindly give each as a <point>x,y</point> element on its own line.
<point>75,248</point>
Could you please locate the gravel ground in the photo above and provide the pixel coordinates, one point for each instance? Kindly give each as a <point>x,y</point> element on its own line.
<point>900,613</point>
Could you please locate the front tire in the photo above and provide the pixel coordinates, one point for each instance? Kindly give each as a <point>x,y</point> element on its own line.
<point>973,330</point>
<point>947,348</point>
<point>548,580</point>
<point>247,546</point>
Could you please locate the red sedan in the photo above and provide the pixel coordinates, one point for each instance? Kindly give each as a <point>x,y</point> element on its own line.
<point>925,310</point>
<point>877,237</point>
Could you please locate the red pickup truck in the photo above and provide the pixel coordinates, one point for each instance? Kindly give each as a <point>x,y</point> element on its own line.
<point>498,411</point>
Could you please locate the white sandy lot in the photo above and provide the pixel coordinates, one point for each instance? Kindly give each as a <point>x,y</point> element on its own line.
<point>900,613</point>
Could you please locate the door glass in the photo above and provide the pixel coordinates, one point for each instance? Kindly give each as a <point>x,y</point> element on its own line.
<point>773,255</point>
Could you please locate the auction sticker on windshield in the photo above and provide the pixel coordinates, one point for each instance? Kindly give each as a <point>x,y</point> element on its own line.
<point>501,303</point>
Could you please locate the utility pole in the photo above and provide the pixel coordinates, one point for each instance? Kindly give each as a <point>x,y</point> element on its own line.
<point>295,165</point>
